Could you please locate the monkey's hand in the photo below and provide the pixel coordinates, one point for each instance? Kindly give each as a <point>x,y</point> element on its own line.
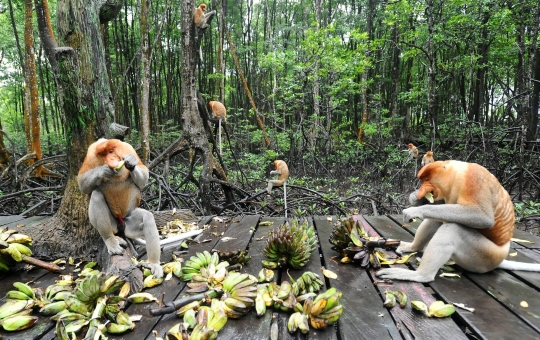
<point>412,212</point>
<point>115,245</point>
<point>156,269</point>
<point>130,161</point>
<point>413,199</point>
<point>275,172</point>
<point>105,172</point>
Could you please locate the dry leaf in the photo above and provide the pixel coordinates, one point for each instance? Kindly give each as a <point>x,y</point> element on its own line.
<point>329,219</point>
<point>513,254</point>
<point>329,274</point>
<point>524,304</point>
<point>462,306</point>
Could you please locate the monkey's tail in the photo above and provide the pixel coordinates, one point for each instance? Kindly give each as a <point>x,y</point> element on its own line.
<point>514,265</point>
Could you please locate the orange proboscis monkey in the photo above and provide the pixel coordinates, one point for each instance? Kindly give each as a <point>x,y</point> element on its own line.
<point>428,158</point>
<point>282,170</point>
<point>113,175</point>
<point>473,223</point>
<point>200,18</point>
<point>218,112</point>
<point>413,151</point>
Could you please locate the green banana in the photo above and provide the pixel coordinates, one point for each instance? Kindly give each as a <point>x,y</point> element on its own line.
<point>11,307</point>
<point>19,322</point>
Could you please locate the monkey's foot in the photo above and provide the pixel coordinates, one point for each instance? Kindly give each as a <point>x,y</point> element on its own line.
<point>404,274</point>
<point>156,269</point>
<point>115,245</point>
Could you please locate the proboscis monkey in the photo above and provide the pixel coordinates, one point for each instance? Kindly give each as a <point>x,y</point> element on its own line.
<point>200,18</point>
<point>413,151</point>
<point>282,171</point>
<point>428,158</point>
<point>114,175</point>
<point>473,226</point>
<point>218,110</point>
<point>220,113</point>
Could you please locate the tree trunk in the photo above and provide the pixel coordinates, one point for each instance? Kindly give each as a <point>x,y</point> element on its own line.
<point>87,108</point>
<point>145,80</point>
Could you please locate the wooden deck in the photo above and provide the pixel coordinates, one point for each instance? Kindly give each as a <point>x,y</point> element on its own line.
<point>495,296</point>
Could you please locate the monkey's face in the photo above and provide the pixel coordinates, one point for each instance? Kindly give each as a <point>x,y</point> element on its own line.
<point>436,180</point>
<point>108,152</point>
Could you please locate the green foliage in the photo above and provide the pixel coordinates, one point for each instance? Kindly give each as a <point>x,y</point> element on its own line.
<point>524,209</point>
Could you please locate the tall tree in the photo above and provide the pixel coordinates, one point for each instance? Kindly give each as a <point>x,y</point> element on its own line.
<point>87,107</point>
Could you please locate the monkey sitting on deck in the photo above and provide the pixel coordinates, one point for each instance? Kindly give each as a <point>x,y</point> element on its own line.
<point>282,170</point>
<point>113,175</point>
<point>473,227</point>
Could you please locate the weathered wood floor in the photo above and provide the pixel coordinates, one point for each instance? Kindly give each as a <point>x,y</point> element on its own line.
<point>496,296</point>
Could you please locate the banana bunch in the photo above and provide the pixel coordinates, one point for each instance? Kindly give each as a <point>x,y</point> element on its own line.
<point>239,292</point>
<point>172,268</point>
<point>340,238</point>
<point>14,313</point>
<point>291,245</point>
<point>204,267</point>
<point>177,332</point>
<point>282,296</point>
<point>309,282</point>
<point>233,257</point>
<point>265,275</point>
<point>326,309</point>
<point>438,309</point>
<point>121,325</point>
<point>209,321</point>
<point>13,247</point>
<point>395,296</point>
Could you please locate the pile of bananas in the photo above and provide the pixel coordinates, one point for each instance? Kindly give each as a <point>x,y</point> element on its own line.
<point>291,244</point>
<point>265,275</point>
<point>233,257</point>
<point>14,313</point>
<point>172,268</point>
<point>350,239</point>
<point>13,247</point>
<point>309,282</point>
<point>271,294</point>
<point>203,267</point>
<point>322,311</point>
<point>239,292</point>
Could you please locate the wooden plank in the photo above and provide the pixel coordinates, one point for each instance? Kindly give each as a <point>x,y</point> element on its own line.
<point>4,220</point>
<point>313,265</point>
<point>489,320</point>
<point>21,223</point>
<point>239,232</point>
<point>418,326</point>
<point>527,236</point>
<point>364,316</point>
<point>251,326</point>
<point>510,292</point>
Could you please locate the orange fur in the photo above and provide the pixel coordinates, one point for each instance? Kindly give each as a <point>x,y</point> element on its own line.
<point>281,165</point>
<point>470,184</point>
<point>218,110</point>
<point>428,158</point>
<point>198,15</point>
<point>413,151</point>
